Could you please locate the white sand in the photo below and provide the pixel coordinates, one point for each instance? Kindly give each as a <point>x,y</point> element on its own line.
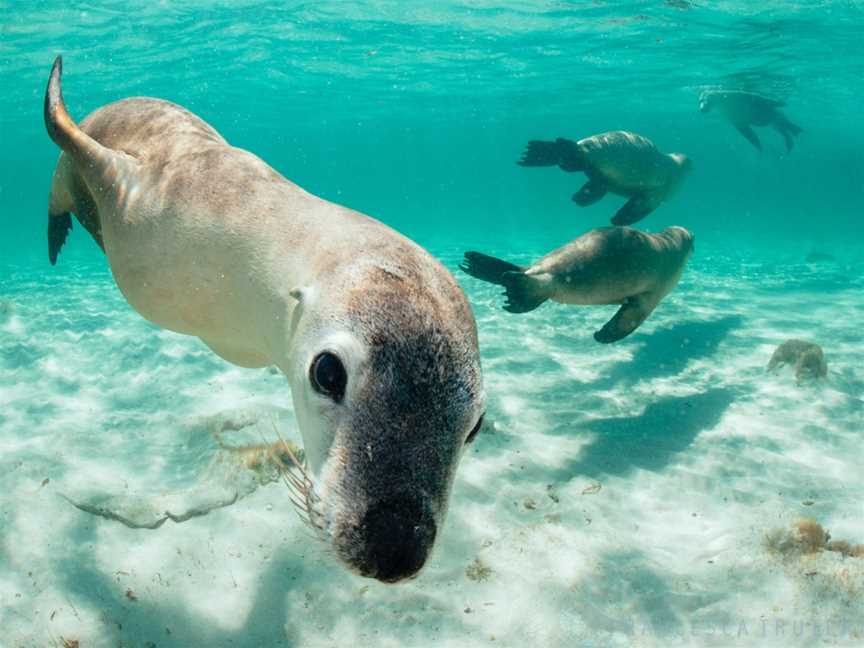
<point>621,496</point>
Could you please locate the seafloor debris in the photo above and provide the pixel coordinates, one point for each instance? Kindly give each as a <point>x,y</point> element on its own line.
<point>478,571</point>
<point>807,536</point>
<point>808,359</point>
<point>592,489</point>
<point>234,471</point>
<point>108,513</point>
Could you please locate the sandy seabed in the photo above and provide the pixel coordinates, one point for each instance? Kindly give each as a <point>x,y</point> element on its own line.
<point>618,496</point>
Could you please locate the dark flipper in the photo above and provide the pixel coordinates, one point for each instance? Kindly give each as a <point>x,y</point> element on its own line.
<point>787,136</point>
<point>562,152</point>
<point>787,129</point>
<point>524,293</point>
<point>487,268</point>
<point>86,210</point>
<point>628,318</point>
<point>590,193</point>
<point>750,134</point>
<point>635,209</point>
<point>58,230</point>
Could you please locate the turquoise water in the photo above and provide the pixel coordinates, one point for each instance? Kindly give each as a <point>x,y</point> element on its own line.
<point>619,494</point>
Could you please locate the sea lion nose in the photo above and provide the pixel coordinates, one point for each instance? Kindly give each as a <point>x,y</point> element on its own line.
<point>399,534</point>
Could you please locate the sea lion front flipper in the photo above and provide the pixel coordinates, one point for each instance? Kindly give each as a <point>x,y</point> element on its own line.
<point>58,229</point>
<point>635,209</point>
<point>750,134</point>
<point>787,129</point>
<point>632,313</point>
<point>590,193</point>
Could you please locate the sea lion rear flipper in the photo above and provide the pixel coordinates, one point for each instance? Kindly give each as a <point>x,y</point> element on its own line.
<point>632,313</point>
<point>562,152</point>
<point>635,209</point>
<point>750,134</point>
<point>84,170</point>
<point>590,193</point>
<point>524,292</point>
<point>97,165</point>
<point>487,268</point>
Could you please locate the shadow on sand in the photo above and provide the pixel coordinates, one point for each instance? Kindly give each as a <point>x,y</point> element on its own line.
<point>666,352</point>
<point>649,440</point>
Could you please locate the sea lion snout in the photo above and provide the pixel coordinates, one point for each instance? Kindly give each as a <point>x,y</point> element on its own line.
<point>394,538</point>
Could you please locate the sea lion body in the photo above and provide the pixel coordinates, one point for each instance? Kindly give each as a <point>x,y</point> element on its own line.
<point>376,339</point>
<point>745,109</point>
<point>619,162</point>
<point>611,265</point>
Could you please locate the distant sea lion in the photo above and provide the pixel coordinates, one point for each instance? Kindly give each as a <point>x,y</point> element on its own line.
<point>624,163</point>
<point>807,357</point>
<point>744,110</point>
<point>376,338</point>
<point>820,257</point>
<point>610,265</point>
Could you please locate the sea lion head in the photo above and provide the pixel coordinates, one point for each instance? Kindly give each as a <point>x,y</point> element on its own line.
<point>706,102</point>
<point>682,238</point>
<point>388,391</point>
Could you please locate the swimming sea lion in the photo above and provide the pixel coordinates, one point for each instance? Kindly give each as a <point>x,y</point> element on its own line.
<point>744,110</point>
<point>624,163</point>
<point>807,357</point>
<point>610,265</point>
<point>376,339</point>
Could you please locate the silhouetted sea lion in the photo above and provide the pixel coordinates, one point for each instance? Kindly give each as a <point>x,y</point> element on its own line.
<point>744,110</point>
<point>610,265</point>
<point>624,163</point>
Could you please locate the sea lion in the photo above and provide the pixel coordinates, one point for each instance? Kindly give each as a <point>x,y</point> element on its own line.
<point>624,163</point>
<point>377,340</point>
<point>609,265</point>
<point>745,110</point>
<point>820,257</point>
<point>808,359</point>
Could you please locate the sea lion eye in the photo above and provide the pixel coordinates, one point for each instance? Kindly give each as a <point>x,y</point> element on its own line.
<point>475,430</point>
<point>327,375</point>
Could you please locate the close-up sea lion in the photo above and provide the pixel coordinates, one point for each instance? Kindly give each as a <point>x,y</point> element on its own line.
<point>623,163</point>
<point>377,340</point>
<point>610,265</point>
<point>745,110</point>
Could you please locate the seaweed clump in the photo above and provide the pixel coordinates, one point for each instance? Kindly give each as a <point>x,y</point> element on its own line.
<point>808,537</point>
<point>807,357</point>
